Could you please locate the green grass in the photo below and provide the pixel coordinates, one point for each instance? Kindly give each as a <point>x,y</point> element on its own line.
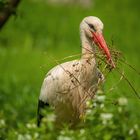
<point>41,32</point>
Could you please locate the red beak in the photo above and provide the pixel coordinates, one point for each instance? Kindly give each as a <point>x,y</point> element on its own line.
<point>100,42</point>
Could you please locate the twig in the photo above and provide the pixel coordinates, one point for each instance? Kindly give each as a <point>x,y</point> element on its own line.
<point>117,69</point>
<point>123,61</point>
<point>7,11</point>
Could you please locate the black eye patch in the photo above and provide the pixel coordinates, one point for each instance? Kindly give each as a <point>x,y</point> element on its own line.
<point>92,27</point>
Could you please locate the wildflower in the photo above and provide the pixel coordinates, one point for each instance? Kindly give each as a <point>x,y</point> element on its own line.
<point>28,137</point>
<point>122,101</point>
<point>102,106</point>
<point>64,138</point>
<point>24,137</point>
<point>101,98</point>
<point>29,125</point>
<point>82,131</point>
<point>36,135</point>
<point>131,131</point>
<point>88,111</point>
<point>94,104</point>
<point>106,116</point>
<point>2,123</point>
<point>20,137</point>
<point>51,117</point>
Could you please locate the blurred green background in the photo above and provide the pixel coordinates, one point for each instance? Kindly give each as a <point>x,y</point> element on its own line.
<point>42,32</point>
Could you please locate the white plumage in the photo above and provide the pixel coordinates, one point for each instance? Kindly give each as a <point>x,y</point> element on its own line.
<point>68,86</point>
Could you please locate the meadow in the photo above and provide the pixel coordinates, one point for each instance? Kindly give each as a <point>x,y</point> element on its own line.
<point>41,33</point>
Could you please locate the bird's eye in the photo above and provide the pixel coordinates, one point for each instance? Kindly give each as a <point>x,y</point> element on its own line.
<point>92,27</point>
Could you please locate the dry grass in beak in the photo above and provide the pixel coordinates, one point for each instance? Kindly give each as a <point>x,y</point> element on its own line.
<point>118,59</point>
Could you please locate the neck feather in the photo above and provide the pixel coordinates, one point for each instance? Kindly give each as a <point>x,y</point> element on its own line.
<point>87,48</point>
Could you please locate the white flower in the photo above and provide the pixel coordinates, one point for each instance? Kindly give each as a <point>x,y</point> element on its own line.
<point>122,101</point>
<point>24,137</point>
<point>102,106</point>
<point>94,104</point>
<point>106,116</point>
<point>82,131</point>
<point>36,135</point>
<point>104,122</point>
<point>29,125</point>
<point>131,131</point>
<point>88,111</point>
<point>2,122</point>
<point>20,137</point>
<point>64,138</point>
<point>51,117</point>
<point>101,98</point>
<point>28,137</point>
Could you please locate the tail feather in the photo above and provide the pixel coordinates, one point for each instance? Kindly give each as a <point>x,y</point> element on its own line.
<point>41,105</point>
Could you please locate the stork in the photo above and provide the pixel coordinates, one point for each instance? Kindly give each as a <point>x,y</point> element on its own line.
<point>69,85</point>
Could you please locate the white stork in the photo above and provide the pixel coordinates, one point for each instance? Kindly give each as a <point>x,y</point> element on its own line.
<point>68,86</point>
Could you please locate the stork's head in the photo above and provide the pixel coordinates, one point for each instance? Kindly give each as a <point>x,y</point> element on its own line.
<point>92,27</point>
